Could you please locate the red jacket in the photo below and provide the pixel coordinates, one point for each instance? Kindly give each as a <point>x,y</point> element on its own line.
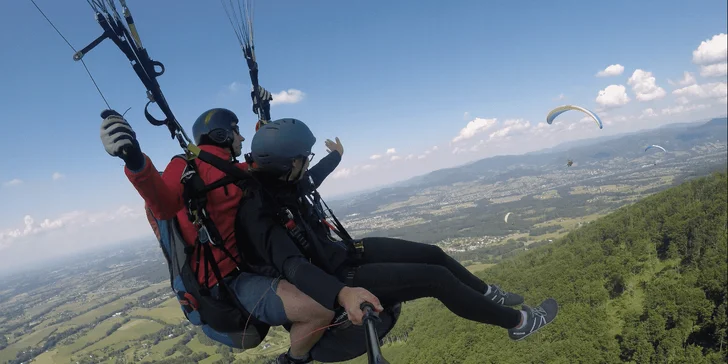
<point>163,196</point>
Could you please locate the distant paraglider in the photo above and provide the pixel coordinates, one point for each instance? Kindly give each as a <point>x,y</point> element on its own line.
<point>569,163</point>
<point>506,218</point>
<point>655,146</point>
<point>562,109</point>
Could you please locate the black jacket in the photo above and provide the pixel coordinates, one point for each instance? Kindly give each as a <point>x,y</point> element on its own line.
<point>267,241</point>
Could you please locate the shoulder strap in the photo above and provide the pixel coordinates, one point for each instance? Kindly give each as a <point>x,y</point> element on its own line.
<point>195,198</point>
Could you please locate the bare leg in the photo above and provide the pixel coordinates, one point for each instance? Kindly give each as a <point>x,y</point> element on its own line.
<point>306,316</point>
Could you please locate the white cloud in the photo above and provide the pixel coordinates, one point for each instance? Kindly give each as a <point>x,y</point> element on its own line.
<point>475,126</point>
<point>375,157</point>
<point>712,51</point>
<point>235,87</point>
<point>682,100</point>
<point>458,150</point>
<point>29,228</point>
<point>644,86</point>
<point>560,97</point>
<point>688,79</point>
<point>477,146</point>
<point>682,108</point>
<point>290,96</point>
<point>411,156</point>
<point>422,156</point>
<point>31,240</point>
<point>342,173</point>
<point>466,116</point>
<point>391,151</point>
<point>367,167</point>
<point>57,176</point>
<point>395,157</point>
<point>13,182</point>
<point>73,219</point>
<point>612,70</point>
<point>510,127</point>
<point>612,96</point>
<point>648,113</point>
<point>714,70</point>
<point>704,91</point>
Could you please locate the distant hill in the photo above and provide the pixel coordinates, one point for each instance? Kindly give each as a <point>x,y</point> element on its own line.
<point>646,284</point>
<point>679,140</point>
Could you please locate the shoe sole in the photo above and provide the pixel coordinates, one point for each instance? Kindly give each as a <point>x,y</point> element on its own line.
<point>531,333</point>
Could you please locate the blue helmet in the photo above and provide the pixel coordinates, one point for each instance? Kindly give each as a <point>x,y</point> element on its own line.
<point>216,126</point>
<point>279,142</point>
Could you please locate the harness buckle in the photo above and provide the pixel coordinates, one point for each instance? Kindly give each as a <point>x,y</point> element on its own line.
<point>204,235</point>
<point>359,246</point>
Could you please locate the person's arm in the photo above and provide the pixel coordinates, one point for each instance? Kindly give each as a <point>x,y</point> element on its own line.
<point>324,167</point>
<point>272,242</point>
<point>162,193</point>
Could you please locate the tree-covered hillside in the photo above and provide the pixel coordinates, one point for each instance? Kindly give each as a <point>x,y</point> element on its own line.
<point>646,284</point>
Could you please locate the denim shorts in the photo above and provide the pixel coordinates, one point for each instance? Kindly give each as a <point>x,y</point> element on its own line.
<point>258,296</point>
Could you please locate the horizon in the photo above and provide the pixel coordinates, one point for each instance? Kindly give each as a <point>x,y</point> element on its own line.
<point>545,150</point>
<point>348,70</point>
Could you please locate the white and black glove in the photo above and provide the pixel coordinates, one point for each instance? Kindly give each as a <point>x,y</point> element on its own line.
<point>261,104</point>
<point>263,94</point>
<point>120,140</point>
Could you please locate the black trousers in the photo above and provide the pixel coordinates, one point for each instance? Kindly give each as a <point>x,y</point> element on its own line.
<point>398,270</point>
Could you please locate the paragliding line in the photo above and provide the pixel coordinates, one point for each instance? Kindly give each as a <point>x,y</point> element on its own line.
<point>242,16</point>
<point>76,52</point>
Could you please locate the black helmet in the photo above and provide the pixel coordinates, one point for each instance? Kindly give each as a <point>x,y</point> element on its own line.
<point>279,142</point>
<point>216,126</point>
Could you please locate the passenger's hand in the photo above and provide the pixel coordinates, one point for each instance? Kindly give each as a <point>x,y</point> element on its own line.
<point>351,299</point>
<point>334,146</point>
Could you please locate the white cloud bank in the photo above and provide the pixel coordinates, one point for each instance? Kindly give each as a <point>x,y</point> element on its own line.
<point>33,239</point>
<point>713,50</point>
<point>290,96</point>
<point>13,182</point>
<point>612,70</point>
<point>474,127</point>
<point>688,79</point>
<point>645,87</point>
<point>613,96</point>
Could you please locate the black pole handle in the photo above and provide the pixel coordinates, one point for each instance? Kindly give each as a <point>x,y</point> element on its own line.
<point>374,351</point>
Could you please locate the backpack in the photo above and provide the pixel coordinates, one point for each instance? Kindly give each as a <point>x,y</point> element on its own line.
<point>222,318</point>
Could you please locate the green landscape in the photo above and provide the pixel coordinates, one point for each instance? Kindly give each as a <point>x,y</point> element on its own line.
<point>576,151</point>
<point>636,259</point>
<point>644,284</point>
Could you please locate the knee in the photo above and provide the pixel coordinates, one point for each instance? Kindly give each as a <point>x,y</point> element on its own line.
<point>300,307</point>
<point>321,315</point>
<point>435,253</point>
<point>314,313</point>
<point>441,279</point>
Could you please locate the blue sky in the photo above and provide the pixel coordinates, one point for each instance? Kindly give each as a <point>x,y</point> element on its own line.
<point>398,80</point>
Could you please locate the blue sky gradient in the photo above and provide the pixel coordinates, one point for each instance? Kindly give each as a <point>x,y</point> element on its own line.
<point>380,75</point>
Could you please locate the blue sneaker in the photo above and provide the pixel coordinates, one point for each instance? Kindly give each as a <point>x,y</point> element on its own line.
<point>502,297</point>
<point>536,318</point>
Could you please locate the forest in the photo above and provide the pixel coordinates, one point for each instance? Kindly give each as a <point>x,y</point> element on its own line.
<point>645,284</point>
